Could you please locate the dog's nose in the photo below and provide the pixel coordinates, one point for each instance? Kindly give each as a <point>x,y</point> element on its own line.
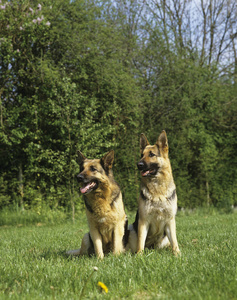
<point>80,177</point>
<point>140,165</point>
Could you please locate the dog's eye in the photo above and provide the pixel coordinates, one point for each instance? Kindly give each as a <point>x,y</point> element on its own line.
<point>151,154</point>
<point>93,169</point>
<point>142,155</point>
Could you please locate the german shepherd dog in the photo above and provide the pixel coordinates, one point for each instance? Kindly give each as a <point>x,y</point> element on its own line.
<point>104,207</point>
<point>154,226</point>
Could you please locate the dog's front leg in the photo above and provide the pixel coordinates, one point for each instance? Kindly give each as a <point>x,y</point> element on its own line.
<point>170,230</point>
<point>142,234</point>
<point>97,241</point>
<point>118,238</point>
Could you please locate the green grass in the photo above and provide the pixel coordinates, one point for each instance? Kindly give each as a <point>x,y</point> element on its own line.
<point>33,264</point>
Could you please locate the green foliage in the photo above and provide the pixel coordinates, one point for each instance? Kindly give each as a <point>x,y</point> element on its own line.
<point>15,216</point>
<point>60,100</point>
<point>92,76</point>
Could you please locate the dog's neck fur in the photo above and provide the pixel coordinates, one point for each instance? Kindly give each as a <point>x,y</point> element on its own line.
<point>104,193</point>
<point>164,188</point>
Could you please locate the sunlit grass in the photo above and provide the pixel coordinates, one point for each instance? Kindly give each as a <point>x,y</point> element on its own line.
<point>33,264</point>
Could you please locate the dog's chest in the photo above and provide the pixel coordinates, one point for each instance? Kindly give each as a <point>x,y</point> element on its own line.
<point>106,234</point>
<point>105,223</point>
<point>157,215</point>
<point>157,206</point>
<point>158,211</point>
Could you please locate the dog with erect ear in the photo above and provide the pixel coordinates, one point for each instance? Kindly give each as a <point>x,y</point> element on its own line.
<point>155,226</point>
<point>104,208</point>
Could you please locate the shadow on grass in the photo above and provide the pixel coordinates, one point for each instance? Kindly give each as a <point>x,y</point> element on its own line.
<point>54,254</point>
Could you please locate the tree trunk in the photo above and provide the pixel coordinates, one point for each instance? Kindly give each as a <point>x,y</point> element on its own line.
<point>208,193</point>
<point>21,186</point>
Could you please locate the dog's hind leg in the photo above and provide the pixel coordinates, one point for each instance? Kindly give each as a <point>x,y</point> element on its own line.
<point>132,239</point>
<point>75,252</point>
<point>86,247</point>
<point>163,243</point>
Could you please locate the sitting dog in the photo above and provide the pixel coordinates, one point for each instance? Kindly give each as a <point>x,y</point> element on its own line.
<point>104,207</point>
<point>154,226</point>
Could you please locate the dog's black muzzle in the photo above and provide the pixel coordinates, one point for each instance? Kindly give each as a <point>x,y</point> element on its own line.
<point>141,165</point>
<point>80,177</point>
<point>147,170</point>
<point>87,184</point>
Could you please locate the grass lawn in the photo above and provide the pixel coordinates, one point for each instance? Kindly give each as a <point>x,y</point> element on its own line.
<point>33,264</point>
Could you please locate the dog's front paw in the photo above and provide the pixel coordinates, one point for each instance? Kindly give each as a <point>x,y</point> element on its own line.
<point>140,251</point>
<point>100,255</point>
<point>177,252</point>
<point>118,252</point>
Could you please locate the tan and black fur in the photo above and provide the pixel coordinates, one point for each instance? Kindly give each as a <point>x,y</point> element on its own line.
<point>104,207</point>
<point>155,226</point>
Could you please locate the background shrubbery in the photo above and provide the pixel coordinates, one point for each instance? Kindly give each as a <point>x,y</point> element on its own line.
<point>93,75</point>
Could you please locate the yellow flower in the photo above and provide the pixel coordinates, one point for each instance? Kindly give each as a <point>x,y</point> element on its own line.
<point>103,286</point>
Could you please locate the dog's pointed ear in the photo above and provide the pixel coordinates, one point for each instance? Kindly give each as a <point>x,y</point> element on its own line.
<point>162,141</point>
<point>107,160</point>
<point>143,142</point>
<point>80,157</point>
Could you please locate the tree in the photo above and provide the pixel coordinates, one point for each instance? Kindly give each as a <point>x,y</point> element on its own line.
<point>68,92</point>
<point>93,75</point>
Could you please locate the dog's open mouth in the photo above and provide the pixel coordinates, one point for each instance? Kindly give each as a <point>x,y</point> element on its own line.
<point>88,187</point>
<point>148,172</point>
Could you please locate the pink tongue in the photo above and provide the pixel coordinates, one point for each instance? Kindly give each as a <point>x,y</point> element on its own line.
<point>145,173</point>
<point>87,187</point>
